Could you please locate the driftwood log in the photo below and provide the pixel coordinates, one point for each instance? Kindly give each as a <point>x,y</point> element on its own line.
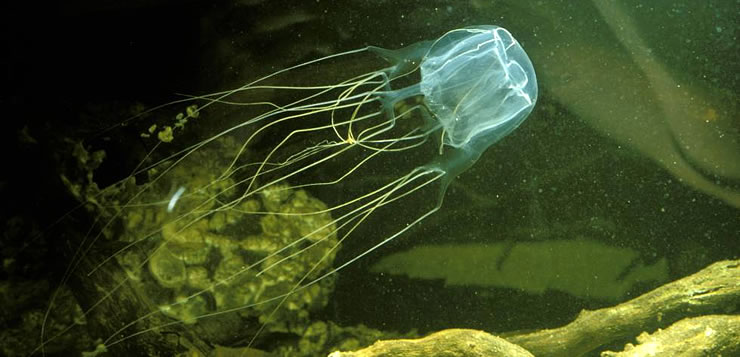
<point>711,335</point>
<point>448,343</point>
<point>711,291</point>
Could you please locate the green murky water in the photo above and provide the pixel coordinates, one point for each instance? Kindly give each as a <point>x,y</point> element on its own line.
<point>631,154</point>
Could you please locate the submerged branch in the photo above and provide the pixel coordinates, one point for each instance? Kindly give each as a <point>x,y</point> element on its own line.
<point>452,343</point>
<point>713,290</point>
<point>711,335</point>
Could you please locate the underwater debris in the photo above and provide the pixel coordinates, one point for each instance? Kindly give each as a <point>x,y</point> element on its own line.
<point>580,267</point>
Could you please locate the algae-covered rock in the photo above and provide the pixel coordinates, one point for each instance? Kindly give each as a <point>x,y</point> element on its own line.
<point>205,251</point>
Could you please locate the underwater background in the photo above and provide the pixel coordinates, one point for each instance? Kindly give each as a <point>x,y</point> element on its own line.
<point>568,186</point>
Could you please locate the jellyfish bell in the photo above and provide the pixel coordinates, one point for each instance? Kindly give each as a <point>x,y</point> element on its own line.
<point>234,236</point>
<point>481,85</point>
